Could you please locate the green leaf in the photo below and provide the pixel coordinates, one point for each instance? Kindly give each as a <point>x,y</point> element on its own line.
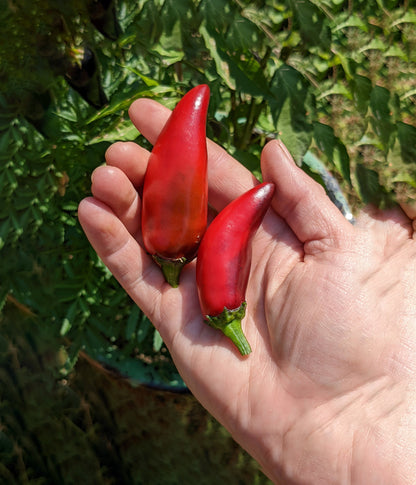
<point>218,14</point>
<point>70,206</point>
<point>396,51</point>
<point>169,56</point>
<point>69,318</point>
<point>354,20</point>
<point>381,103</point>
<point>406,178</point>
<point>368,183</point>
<point>175,17</point>
<point>346,63</point>
<point>377,44</point>
<point>294,131</point>
<point>362,88</point>
<point>243,75</point>
<point>334,149</point>
<point>72,354</point>
<point>4,142</point>
<point>143,328</point>
<point>68,114</point>
<point>249,160</point>
<point>4,232</point>
<point>407,138</point>
<point>313,26</point>
<point>408,94</point>
<point>220,59</point>
<point>408,17</point>
<point>369,187</point>
<point>150,82</point>
<point>132,322</point>
<point>118,105</point>
<point>157,341</point>
<point>123,131</point>
<point>337,88</point>
<point>291,109</point>
<point>4,291</point>
<point>243,36</point>
<point>149,24</point>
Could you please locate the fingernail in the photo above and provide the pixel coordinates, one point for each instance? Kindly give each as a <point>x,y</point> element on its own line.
<point>285,152</point>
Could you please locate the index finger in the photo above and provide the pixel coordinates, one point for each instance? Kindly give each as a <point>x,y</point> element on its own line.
<point>227,178</point>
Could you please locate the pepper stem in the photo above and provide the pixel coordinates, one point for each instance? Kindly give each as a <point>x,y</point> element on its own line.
<point>229,322</point>
<point>171,268</point>
<point>235,333</point>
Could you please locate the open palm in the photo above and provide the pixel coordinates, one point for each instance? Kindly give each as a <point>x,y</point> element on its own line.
<point>330,316</point>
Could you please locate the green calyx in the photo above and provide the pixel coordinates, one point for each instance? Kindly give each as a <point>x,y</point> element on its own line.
<point>171,268</point>
<point>229,322</point>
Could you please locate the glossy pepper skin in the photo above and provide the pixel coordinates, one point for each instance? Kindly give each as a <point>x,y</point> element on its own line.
<point>175,192</point>
<point>224,260</point>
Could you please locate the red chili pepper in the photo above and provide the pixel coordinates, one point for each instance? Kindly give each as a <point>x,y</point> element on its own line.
<point>224,260</point>
<point>175,192</point>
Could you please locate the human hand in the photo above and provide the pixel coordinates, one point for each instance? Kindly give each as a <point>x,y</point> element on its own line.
<point>328,393</point>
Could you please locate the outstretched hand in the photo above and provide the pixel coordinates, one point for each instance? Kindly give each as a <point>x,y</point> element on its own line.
<point>328,393</point>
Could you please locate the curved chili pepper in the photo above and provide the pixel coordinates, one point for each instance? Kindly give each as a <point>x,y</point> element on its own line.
<point>175,192</point>
<point>224,260</point>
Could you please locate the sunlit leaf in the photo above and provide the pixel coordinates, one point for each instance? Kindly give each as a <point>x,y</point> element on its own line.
<point>338,88</point>
<point>157,341</point>
<point>119,105</point>
<point>374,44</point>
<point>124,131</point>
<point>245,73</point>
<point>292,109</point>
<point>69,318</point>
<point>220,59</point>
<point>353,20</point>
<point>334,150</point>
<point>396,51</point>
<point>408,17</point>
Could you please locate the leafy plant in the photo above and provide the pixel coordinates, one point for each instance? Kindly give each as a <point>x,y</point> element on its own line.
<point>333,79</point>
<point>93,427</point>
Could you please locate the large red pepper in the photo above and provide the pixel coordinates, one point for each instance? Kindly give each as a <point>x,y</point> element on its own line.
<point>224,260</point>
<point>175,200</point>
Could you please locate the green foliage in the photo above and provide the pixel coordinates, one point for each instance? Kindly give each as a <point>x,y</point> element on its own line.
<point>92,427</point>
<point>331,78</point>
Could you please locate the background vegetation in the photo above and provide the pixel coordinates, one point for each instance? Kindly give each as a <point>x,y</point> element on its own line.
<point>334,79</point>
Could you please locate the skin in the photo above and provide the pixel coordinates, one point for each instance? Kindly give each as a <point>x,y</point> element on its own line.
<point>328,395</point>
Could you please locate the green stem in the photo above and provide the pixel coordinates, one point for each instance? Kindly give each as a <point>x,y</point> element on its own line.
<point>171,268</point>
<point>229,322</point>
<point>249,126</point>
<point>234,332</point>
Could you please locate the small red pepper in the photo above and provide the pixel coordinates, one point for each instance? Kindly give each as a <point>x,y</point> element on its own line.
<point>224,260</point>
<point>175,191</point>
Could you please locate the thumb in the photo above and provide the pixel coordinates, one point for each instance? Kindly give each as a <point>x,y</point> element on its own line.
<point>301,201</point>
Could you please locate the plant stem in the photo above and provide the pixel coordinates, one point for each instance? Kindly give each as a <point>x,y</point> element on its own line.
<point>171,269</point>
